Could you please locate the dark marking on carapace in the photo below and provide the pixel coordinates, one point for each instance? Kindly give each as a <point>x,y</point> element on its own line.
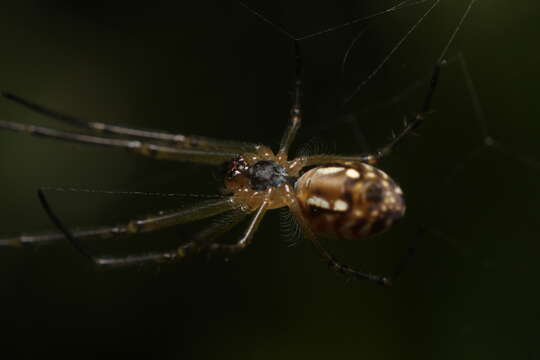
<point>374,193</point>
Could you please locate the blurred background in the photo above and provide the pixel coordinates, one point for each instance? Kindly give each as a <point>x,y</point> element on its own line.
<point>212,68</point>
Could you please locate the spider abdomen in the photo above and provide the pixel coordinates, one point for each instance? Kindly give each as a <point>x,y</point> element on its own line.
<point>349,201</point>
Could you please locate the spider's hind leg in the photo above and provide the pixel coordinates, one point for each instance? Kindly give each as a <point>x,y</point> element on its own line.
<point>409,127</point>
<point>178,140</point>
<point>337,266</point>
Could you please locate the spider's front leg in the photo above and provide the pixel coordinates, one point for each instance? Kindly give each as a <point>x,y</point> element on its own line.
<point>200,243</point>
<point>204,241</point>
<point>173,139</point>
<point>151,223</point>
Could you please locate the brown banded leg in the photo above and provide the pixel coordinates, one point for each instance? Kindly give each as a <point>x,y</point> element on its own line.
<point>198,244</point>
<point>409,126</point>
<point>327,257</point>
<point>197,142</point>
<point>200,211</point>
<point>42,238</point>
<point>295,119</point>
<point>152,150</point>
<point>385,150</point>
<point>245,240</point>
<point>160,220</point>
<point>426,106</point>
<point>329,159</point>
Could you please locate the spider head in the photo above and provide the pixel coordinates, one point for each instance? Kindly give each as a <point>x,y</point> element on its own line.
<point>242,176</point>
<point>266,173</point>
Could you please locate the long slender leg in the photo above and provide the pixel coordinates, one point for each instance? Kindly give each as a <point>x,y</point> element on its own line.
<point>329,158</point>
<point>218,228</point>
<point>42,238</point>
<point>203,242</point>
<point>409,126</point>
<point>202,210</point>
<point>198,142</point>
<point>296,111</point>
<point>142,148</point>
<point>199,243</point>
<point>248,234</point>
<point>327,257</point>
<point>420,116</point>
<point>198,212</point>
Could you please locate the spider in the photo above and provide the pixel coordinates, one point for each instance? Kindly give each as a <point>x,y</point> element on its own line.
<point>341,196</point>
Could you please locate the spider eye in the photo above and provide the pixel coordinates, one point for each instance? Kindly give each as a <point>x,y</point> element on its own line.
<point>234,167</point>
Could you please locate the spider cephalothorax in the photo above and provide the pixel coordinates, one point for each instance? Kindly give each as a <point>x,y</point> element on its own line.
<point>258,176</point>
<point>267,173</point>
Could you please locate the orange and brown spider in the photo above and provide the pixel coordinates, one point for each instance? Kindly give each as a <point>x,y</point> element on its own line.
<point>342,196</point>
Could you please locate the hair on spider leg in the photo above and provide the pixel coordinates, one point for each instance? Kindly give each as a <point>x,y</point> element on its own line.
<point>289,228</point>
<point>425,110</point>
<point>89,190</point>
<point>355,122</point>
<point>316,145</point>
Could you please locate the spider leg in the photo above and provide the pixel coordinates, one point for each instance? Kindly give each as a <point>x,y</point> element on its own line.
<point>329,158</point>
<point>152,150</point>
<point>426,106</point>
<point>245,240</point>
<point>198,142</point>
<point>204,241</point>
<point>409,126</point>
<point>154,222</point>
<point>197,212</point>
<point>329,258</point>
<point>199,243</point>
<point>296,112</point>
<point>41,238</point>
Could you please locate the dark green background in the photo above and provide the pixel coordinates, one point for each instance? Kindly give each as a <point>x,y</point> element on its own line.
<point>213,69</point>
